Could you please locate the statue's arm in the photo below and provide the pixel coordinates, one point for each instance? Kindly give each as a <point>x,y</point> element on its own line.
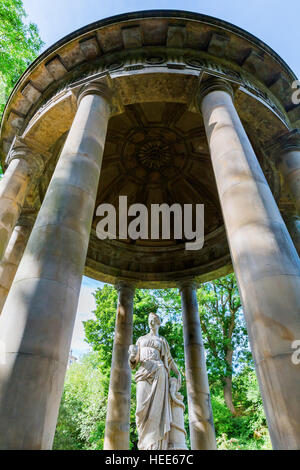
<point>134,355</point>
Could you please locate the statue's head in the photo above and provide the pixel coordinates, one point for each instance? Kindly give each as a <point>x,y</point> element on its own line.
<point>153,319</point>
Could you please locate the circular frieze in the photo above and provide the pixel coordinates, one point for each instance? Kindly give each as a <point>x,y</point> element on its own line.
<point>154,149</point>
<point>155,154</point>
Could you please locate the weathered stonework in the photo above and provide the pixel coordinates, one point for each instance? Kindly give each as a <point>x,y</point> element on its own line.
<point>159,60</point>
<point>172,107</point>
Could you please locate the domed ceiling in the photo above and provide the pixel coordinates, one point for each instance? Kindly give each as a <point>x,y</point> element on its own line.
<point>157,153</point>
<point>156,150</point>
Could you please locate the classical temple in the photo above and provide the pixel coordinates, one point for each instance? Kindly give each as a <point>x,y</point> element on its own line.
<point>163,107</point>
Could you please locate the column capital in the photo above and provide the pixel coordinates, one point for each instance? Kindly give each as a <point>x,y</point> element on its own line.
<point>20,150</point>
<point>95,88</point>
<point>182,284</point>
<point>213,84</point>
<point>287,142</point>
<point>289,216</point>
<point>125,285</point>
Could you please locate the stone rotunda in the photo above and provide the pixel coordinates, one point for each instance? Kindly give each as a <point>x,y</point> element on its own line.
<point>161,107</point>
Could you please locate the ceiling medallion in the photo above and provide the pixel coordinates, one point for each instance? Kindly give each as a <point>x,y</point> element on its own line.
<point>155,154</point>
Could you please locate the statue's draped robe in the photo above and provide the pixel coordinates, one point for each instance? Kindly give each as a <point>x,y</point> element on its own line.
<point>153,413</point>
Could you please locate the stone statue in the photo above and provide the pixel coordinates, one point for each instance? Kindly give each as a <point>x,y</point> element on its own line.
<point>155,389</point>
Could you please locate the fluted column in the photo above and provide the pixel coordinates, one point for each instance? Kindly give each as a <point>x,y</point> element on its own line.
<point>202,433</point>
<point>13,254</point>
<point>24,165</point>
<point>37,320</point>
<point>265,262</point>
<point>117,426</point>
<point>286,155</point>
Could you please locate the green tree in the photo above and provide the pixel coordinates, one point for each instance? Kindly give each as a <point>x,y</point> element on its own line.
<point>19,45</point>
<point>82,412</point>
<point>248,429</point>
<point>224,332</point>
<point>223,326</point>
<point>100,331</point>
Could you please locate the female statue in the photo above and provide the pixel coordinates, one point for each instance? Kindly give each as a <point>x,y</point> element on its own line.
<point>153,412</point>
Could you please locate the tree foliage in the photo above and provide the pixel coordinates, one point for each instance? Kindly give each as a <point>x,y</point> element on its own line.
<point>19,45</point>
<point>100,331</point>
<point>81,419</point>
<point>224,332</point>
<point>83,408</point>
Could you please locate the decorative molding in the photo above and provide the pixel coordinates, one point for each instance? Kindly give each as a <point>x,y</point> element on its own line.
<point>95,88</point>
<point>187,283</point>
<point>56,68</point>
<point>31,92</point>
<point>213,84</point>
<point>262,95</point>
<point>19,150</point>
<point>132,37</point>
<point>287,142</point>
<point>290,140</point>
<point>90,47</point>
<point>111,66</point>
<point>125,285</point>
<point>218,44</point>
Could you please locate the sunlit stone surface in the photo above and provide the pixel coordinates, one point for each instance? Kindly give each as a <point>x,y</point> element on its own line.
<point>174,107</point>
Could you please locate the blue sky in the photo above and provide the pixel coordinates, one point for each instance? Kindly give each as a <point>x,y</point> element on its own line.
<point>86,306</point>
<point>276,22</point>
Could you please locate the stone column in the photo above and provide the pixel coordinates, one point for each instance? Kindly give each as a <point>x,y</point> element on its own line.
<point>37,321</point>
<point>286,155</point>
<point>202,433</point>
<point>13,254</point>
<point>24,165</point>
<point>118,406</point>
<point>292,222</point>
<point>265,261</point>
